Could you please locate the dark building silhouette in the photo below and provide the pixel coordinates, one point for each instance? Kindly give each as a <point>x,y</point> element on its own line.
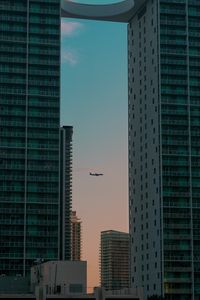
<point>29,133</point>
<point>66,133</point>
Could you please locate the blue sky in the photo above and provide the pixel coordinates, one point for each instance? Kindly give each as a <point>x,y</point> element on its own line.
<point>94,101</point>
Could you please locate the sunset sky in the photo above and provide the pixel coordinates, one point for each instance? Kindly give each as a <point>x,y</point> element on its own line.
<point>94,101</point>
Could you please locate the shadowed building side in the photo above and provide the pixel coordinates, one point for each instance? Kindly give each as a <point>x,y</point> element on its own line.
<point>29,133</point>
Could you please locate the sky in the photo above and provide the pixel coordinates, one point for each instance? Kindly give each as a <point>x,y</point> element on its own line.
<point>94,101</point>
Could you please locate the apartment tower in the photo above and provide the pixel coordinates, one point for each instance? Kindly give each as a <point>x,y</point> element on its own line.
<point>114,260</point>
<point>66,133</point>
<point>29,133</point>
<point>164,155</point>
<point>76,241</point>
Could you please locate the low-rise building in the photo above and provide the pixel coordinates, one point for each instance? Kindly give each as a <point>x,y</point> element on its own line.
<point>60,277</point>
<point>98,294</point>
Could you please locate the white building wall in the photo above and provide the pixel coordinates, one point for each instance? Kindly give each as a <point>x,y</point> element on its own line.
<point>144,152</point>
<point>60,277</point>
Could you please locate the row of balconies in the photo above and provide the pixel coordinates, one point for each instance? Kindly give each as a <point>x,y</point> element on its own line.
<point>30,135</point>
<point>31,124</point>
<point>29,189</point>
<point>36,92</point>
<point>177,236</point>
<point>32,50</point>
<point>35,103</point>
<point>32,9</point>
<point>172,11</point>
<point>177,226</point>
<point>22,28</point>
<point>17,144</point>
<point>31,83</point>
<point>29,178</point>
<point>15,222</point>
<point>38,211</point>
<point>10,233</point>
<point>33,40</point>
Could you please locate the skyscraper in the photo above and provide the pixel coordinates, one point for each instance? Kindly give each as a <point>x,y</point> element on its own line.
<point>76,241</point>
<point>66,133</point>
<point>164,156</point>
<point>29,133</point>
<point>114,260</point>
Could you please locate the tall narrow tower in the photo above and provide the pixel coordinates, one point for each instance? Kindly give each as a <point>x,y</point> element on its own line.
<point>29,133</point>
<point>76,241</point>
<point>66,133</point>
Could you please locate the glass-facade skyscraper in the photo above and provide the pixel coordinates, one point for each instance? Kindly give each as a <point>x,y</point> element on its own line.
<point>164,155</point>
<point>29,133</point>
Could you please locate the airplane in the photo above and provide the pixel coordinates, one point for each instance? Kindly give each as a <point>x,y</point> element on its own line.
<point>96,174</point>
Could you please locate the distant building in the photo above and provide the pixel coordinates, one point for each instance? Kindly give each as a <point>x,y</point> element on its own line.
<point>114,262</point>
<point>76,237</point>
<point>66,133</point>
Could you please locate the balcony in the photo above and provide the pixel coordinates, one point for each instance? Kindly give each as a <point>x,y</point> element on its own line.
<point>176,215</point>
<point>177,226</point>
<point>178,280</point>
<point>178,269</point>
<point>180,291</point>
<point>177,236</point>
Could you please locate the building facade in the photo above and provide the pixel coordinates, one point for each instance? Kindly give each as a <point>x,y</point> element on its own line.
<point>76,237</point>
<point>115,260</point>
<point>64,278</point>
<point>164,156</point>
<point>66,133</point>
<point>29,133</point>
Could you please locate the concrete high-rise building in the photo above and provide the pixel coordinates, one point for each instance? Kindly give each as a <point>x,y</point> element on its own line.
<point>76,241</point>
<point>66,133</point>
<point>29,133</point>
<point>164,156</point>
<point>114,260</point>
